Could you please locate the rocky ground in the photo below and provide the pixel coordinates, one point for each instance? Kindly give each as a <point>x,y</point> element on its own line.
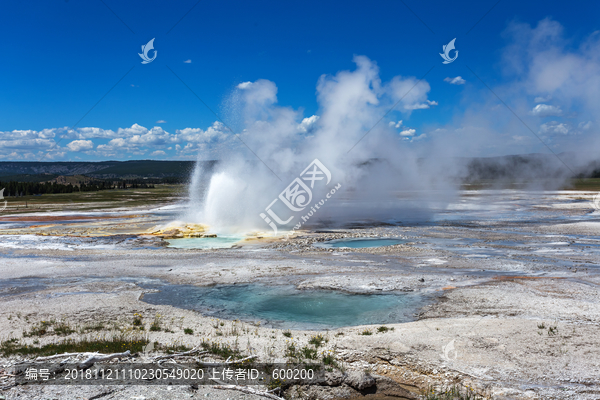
<point>511,304</point>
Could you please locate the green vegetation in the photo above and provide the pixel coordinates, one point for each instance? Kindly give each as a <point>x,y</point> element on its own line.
<point>221,349</point>
<point>104,199</point>
<point>329,359</point>
<point>290,351</point>
<point>309,353</point>
<point>366,332</point>
<point>117,343</point>
<point>188,331</point>
<point>552,330</point>
<point>98,326</point>
<point>20,189</point>
<point>317,340</point>
<point>137,319</point>
<point>287,334</point>
<point>49,328</point>
<point>591,184</point>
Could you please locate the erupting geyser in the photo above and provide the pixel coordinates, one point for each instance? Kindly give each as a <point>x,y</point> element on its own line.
<point>385,176</point>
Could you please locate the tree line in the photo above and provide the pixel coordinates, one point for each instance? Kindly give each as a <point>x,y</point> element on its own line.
<point>17,189</point>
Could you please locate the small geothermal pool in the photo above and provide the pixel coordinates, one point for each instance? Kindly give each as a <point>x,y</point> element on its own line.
<point>360,243</point>
<point>288,307</point>
<point>220,242</point>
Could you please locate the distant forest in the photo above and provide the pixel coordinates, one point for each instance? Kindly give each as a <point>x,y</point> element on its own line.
<point>37,178</point>
<point>17,189</point>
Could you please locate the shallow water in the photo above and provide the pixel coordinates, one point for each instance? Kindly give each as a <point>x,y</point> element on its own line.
<point>360,243</point>
<point>288,307</point>
<point>221,242</point>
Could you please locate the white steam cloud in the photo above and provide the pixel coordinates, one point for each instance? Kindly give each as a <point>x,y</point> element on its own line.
<point>387,171</point>
<point>374,170</point>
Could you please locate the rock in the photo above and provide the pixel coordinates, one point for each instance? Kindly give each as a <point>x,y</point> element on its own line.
<point>388,387</point>
<point>335,378</point>
<point>172,234</point>
<point>359,380</point>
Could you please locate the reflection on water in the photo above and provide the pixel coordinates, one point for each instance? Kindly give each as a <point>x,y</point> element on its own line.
<point>287,307</point>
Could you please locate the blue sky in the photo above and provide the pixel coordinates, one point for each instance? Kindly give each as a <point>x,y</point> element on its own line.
<point>59,58</point>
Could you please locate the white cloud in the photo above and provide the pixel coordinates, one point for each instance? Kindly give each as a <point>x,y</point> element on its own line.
<point>187,62</point>
<point>80,145</point>
<point>411,92</point>
<point>408,132</point>
<point>308,124</point>
<point>158,153</point>
<point>542,99</point>
<point>161,121</point>
<point>554,127</point>
<point>545,110</point>
<point>455,81</point>
<point>421,106</point>
<point>244,85</point>
<point>395,124</point>
<point>585,125</point>
<point>542,60</point>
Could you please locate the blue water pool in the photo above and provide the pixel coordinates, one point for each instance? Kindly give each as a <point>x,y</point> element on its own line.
<point>288,307</point>
<point>360,243</point>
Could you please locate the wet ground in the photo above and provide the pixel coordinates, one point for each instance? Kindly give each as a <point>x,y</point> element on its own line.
<point>483,274</point>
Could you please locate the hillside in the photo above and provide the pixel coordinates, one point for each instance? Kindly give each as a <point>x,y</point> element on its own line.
<point>44,171</point>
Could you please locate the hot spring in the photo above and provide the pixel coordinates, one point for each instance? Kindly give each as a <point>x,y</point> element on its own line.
<point>288,307</point>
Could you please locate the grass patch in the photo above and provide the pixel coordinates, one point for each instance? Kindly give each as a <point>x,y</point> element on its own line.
<point>383,329</point>
<point>188,331</point>
<point>63,329</point>
<point>366,332</point>
<point>309,353</point>
<point>291,351</point>
<point>317,340</point>
<point>287,334</point>
<point>115,344</point>
<point>137,319</point>
<point>49,328</point>
<point>221,349</point>
<point>329,359</point>
<point>92,328</point>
